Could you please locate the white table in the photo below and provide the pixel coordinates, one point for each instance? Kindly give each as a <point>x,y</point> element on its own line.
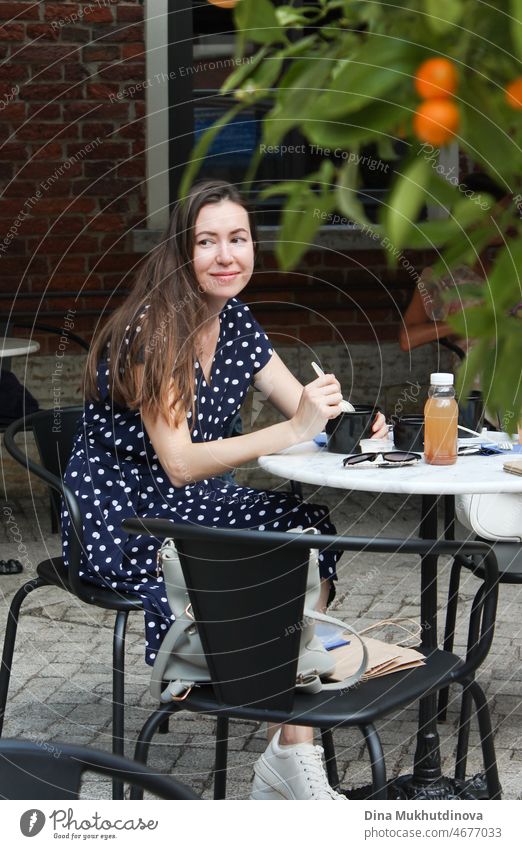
<point>11,347</point>
<point>308,463</point>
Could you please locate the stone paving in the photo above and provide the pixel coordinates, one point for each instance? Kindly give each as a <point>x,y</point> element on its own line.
<point>61,682</point>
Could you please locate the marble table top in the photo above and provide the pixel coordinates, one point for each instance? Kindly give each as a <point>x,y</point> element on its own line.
<point>10,347</point>
<point>308,463</point>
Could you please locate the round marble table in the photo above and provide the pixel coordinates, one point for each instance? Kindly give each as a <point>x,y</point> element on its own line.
<point>308,463</point>
<point>11,347</point>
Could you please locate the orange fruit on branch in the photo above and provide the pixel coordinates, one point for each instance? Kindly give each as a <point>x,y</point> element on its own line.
<point>514,93</point>
<point>224,4</point>
<point>436,77</point>
<point>436,120</point>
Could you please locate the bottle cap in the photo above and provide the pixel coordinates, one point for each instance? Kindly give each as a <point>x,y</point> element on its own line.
<point>441,378</point>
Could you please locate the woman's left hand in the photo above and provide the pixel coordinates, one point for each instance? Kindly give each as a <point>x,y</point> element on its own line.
<point>379,427</point>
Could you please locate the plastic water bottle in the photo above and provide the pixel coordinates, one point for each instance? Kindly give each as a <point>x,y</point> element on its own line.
<point>441,415</point>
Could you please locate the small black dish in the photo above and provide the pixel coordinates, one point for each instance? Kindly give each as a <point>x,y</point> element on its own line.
<point>345,432</point>
<point>408,433</point>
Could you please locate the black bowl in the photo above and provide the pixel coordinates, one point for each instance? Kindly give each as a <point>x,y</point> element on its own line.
<point>408,433</point>
<point>346,431</point>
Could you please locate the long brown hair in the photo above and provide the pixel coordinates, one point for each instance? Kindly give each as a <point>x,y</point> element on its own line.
<point>157,324</point>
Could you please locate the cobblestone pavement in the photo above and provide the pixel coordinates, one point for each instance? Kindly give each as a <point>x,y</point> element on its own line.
<point>61,681</point>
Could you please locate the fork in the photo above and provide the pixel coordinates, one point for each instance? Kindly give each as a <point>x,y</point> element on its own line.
<point>345,405</point>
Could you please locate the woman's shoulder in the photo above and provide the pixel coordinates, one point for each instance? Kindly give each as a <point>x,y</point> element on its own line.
<point>239,314</point>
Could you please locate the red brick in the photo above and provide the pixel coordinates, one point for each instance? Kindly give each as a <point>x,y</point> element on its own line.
<point>24,264</point>
<point>44,73</point>
<point>115,35</point>
<point>76,111</point>
<point>98,168</point>
<point>9,208</point>
<point>13,111</point>
<point>114,262</point>
<point>93,129</point>
<point>113,111</point>
<point>42,32</point>
<point>52,150</point>
<point>58,205</point>
<point>6,170</point>
<point>97,15</point>
<point>75,71</point>
<point>14,152</point>
<point>12,32</point>
<point>68,224</point>
<point>20,188</point>
<point>11,72</point>
<point>20,11</point>
<point>44,91</point>
<point>61,281</point>
<point>44,111</point>
<point>134,130</point>
<point>34,131</point>
<point>125,71</point>
<point>70,264</point>
<point>101,91</point>
<point>129,13</point>
<point>133,51</point>
<point>139,108</point>
<point>113,243</point>
<point>75,35</point>
<point>112,150</point>
<point>108,186</point>
<point>100,53</point>
<point>316,333</point>
<point>106,222</point>
<point>44,53</point>
<point>34,225</point>
<point>133,168</point>
<point>61,11</point>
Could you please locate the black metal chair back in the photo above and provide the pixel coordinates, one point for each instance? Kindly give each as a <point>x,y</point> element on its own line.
<point>240,596</point>
<point>54,434</point>
<point>55,771</point>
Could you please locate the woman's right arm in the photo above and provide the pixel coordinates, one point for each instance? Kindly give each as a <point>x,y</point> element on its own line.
<point>186,462</point>
<point>417,328</point>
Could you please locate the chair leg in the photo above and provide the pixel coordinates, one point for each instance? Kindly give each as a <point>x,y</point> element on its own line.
<point>118,692</point>
<point>329,758</point>
<point>141,751</point>
<point>10,639</point>
<point>465,707</point>
<point>220,767</point>
<point>476,693</point>
<point>54,517</point>
<point>378,764</point>
<point>449,631</point>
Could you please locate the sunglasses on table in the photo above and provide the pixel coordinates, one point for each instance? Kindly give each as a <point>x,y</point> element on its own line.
<point>383,459</point>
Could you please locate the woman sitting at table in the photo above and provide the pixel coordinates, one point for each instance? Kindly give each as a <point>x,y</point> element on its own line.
<point>165,376</point>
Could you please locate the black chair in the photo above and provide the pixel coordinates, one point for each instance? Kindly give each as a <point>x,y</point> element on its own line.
<point>55,443</point>
<point>39,327</point>
<point>246,590</point>
<point>55,771</point>
<point>509,559</point>
<point>47,328</point>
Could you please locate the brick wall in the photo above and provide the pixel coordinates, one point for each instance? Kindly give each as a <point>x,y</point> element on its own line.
<point>73,169</point>
<point>72,162</point>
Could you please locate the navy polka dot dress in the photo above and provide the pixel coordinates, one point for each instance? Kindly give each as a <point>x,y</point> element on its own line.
<point>115,474</point>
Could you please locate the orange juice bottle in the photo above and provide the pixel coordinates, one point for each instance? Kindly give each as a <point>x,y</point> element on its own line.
<point>441,415</point>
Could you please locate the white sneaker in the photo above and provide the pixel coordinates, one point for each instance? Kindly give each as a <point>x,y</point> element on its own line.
<point>291,772</point>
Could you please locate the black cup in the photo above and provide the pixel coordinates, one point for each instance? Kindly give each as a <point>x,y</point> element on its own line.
<point>408,433</point>
<point>346,431</point>
<point>471,411</point>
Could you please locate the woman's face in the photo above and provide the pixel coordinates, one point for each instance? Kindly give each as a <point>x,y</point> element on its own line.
<point>223,251</point>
